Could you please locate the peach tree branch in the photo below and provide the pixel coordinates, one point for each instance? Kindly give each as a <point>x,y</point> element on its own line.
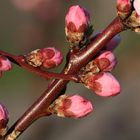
<point>76,61</point>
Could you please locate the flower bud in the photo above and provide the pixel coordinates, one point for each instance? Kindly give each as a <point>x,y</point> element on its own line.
<point>124,8</point>
<point>5,64</point>
<point>4,118</point>
<point>71,106</point>
<point>103,84</point>
<point>47,57</point>
<point>136,16</point>
<point>130,18</point>
<point>51,57</point>
<point>77,23</point>
<point>136,5</point>
<point>106,61</point>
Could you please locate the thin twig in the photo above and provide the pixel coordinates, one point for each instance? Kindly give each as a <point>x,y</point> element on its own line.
<point>20,60</point>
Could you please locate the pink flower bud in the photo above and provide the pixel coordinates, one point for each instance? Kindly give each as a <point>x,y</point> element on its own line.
<point>51,57</point>
<point>5,64</point>
<point>137,6</point>
<point>124,8</point>
<point>113,43</point>
<point>106,61</point>
<point>77,19</point>
<point>124,5</point>
<point>4,116</point>
<point>103,84</point>
<point>71,106</point>
<point>77,23</point>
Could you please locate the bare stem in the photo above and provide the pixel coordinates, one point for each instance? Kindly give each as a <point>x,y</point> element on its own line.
<point>76,62</point>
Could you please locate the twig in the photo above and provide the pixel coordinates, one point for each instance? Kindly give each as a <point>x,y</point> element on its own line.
<point>20,60</point>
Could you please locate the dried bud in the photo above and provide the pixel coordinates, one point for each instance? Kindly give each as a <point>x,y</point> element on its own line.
<point>136,16</point>
<point>51,57</point>
<point>133,22</point>
<point>34,58</point>
<point>4,117</point>
<point>71,106</point>
<point>103,84</point>
<point>77,23</point>
<point>5,64</point>
<point>124,8</point>
<point>136,5</point>
<point>106,61</point>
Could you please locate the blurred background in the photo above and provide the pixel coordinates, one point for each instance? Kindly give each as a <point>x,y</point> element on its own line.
<point>26,25</point>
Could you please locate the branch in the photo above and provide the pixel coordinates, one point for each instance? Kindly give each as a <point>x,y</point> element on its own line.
<point>76,62</point>
<point>20,61</point>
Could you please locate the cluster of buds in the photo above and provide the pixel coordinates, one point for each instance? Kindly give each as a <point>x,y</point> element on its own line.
<point>47,57</point>
<point>129,12</point>
<point>4,118</point>
<point>5,64</point>
<point>77,25</point>
<point>71,106</point>
<point>96,74</point>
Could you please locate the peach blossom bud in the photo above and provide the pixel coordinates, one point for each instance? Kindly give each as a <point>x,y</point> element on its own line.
<point>106,61</point>
<point>4,118</point>
<point>103,84</point>
<point>113,43</point>
<point>136,5</point>
<point>5,64</point>
<point>71,106</point>
<point>51,57</point>
<point>124,8</point>
<point>123,5</point>
<point>78,17</point>
<point>77,23</point>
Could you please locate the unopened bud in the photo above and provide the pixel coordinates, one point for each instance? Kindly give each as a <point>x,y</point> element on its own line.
<point>124,8</point>
<point>103,84</point>
<point>130,19</point>
<point>136,5</point>
<point>47,57</point>
<point>71,106</point>
<point>77,24</point>
<point>106,61</point>
<point>5,64</point>
<point>4,118</point>
<point>51,57</point>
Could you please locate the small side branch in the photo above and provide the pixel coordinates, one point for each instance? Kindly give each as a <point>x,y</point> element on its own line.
<point>20,60</point>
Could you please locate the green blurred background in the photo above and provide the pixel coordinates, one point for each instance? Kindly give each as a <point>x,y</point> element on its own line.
<point>26,25</point>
